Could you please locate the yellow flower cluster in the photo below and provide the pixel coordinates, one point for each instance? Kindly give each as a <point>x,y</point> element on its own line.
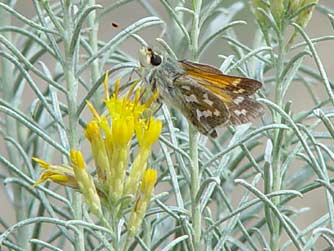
<point>110,137</point>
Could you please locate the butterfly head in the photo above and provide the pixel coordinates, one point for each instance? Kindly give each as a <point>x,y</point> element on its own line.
<point>148,58</point>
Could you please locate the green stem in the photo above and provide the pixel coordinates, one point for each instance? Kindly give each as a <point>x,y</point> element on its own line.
<point>127,243</point>
<point>11,127</point>
<point>193,142</point>
<point>197,4</point>
<point>93,41</point>
<point>115,221</point>
<point>72,88</point>
<point>279,71</point>
<point>276,164</point>
<point>194,187</point>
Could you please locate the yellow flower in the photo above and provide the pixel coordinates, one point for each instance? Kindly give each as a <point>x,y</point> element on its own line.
<point>124,107</point>
<point>62,175</point>
<point>143,199</point>
<point>110,137</point>
<point>148,182</point>
<point>147,132</point>
<point>137,170</point>
<point>85,181</point>
<point>119,128</point>
<point>122,130</point>
<point>99,151</point>
<point>93,111</point>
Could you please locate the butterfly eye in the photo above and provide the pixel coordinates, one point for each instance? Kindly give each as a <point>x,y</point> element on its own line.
<point>155,60</point>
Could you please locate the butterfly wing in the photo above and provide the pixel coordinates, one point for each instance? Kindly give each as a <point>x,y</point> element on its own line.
<point>233,91</point>
<point>243,109</point>
<point>204,109</point>
<point>217,81</point>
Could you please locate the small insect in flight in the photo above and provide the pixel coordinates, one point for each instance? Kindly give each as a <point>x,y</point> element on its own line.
<point>202,93</point>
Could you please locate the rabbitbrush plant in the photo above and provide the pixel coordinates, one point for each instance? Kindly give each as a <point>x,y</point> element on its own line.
<point>89,162</point>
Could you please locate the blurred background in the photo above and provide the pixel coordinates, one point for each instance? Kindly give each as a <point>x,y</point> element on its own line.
<point>127,14</point>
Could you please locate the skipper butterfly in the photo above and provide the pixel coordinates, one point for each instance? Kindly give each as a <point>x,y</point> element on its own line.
<point>202,93</point>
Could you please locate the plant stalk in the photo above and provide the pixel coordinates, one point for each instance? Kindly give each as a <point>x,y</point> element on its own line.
<point>276,164</point>
<point>194,188</point>
<point>72,88</point>
<point>93,42</point>
<point>195,29</point>
<point>193,142</point>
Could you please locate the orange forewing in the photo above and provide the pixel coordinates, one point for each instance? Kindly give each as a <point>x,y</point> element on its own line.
<point>233,91</point>
<point>216,81</point>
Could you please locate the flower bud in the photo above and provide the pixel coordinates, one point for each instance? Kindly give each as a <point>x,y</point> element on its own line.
<point>147,132</point>
<point>305,16</point>
<point>277,10</point>
<point>85,181</point>
<point>261,19</point>
<point>294,5</point>
<point>62,175</point>
<point>142,200</point>
<point>99,152</point>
